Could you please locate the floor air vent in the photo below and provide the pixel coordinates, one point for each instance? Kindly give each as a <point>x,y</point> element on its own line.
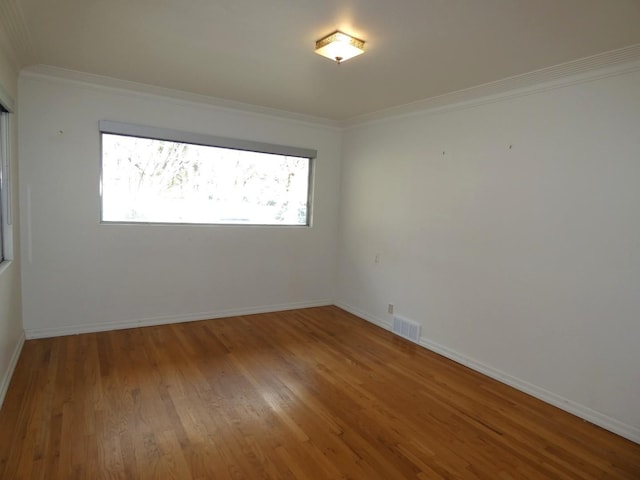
<point>406,328</point>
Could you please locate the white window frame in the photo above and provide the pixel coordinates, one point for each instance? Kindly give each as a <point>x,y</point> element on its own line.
<point>156,133</point>
<point>6,213</point>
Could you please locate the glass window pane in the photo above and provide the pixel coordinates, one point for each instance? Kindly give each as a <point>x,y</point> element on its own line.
<point>160,181</point>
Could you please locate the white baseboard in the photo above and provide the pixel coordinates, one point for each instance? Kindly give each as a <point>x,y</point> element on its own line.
<point>608,423</point>
<point>369,318</point>
<point>166,319</point>
<point>627,431</point>
<point>6,378</point>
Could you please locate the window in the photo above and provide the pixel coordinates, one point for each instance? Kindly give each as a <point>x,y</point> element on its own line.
<point>5,188</point>
<point>154,175</point>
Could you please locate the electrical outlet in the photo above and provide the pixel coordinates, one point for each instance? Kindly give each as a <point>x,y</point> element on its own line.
<point>390,308</point>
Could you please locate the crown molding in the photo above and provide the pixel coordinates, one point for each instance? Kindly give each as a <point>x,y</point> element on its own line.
<point>141,89</point>
<point>615,62</point>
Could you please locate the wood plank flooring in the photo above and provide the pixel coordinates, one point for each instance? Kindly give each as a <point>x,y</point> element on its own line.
<point>306,394</point>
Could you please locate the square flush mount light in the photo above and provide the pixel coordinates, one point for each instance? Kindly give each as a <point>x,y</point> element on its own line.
<point>339,46</point>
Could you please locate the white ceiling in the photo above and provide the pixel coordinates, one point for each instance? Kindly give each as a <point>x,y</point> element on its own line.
<point>261,51</point>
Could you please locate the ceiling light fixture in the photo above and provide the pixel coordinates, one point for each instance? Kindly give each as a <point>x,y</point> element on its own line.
<point>339,46</point>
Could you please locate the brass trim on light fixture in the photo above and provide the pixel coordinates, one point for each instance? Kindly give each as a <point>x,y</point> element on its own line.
<point>339,46</point>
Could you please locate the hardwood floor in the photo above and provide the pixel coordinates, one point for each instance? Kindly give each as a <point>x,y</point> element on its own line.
<point>306,394</point>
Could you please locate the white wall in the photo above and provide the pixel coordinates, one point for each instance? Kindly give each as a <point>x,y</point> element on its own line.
<point>522,262</point>
<point>80,275</point>
<point>11,333</point>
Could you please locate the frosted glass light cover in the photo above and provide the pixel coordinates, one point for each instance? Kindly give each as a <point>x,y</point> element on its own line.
<point>339,47</point>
